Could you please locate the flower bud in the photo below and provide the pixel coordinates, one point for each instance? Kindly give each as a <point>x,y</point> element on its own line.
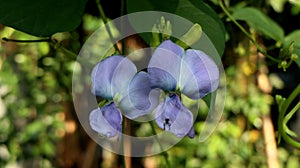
<point>190,37</point>
<point>294,57</point>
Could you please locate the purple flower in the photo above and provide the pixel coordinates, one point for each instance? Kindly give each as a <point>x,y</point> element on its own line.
<point>173,116</point>
<point>106,120</point>
<point>191,72</point>
<point>111,77</point>
<point>116,80</point>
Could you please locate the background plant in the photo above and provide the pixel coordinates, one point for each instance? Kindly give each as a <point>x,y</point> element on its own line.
<point>257,40</point>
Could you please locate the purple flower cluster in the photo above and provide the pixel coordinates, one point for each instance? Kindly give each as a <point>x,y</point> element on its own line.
<point>171,69</point>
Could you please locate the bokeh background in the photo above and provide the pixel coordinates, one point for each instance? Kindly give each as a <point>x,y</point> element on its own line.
<point>39,127</point>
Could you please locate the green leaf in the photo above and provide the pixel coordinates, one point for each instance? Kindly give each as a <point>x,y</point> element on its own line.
<point>41,18</point>
<point>260,22</point>
<point>199,12</point>
<point>294,37</point>
<point>194,10</point>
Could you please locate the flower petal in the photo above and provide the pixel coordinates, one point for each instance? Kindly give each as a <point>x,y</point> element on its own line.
<point>164,66</point>
<point>191,134</point>
<point>121,78</point>
<point>199,74</point>
<point>102,74</point>
<point>174,117</point>
<point>141,98</point>
<point>108,74</point>
<point>106,120</point>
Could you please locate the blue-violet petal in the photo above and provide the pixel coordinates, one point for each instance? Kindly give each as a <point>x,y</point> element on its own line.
<point>164,66</point>
<point>141,98</point>
<point>199,74</point>
<point>107,120</point>
<point>171,115</point>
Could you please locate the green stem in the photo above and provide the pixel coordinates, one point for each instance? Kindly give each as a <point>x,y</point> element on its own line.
<point>105,20</point>
<point>67,52</point>
<point>122,25</point>
<point>26,41</point>
<point>123,2</point>
<point>122,145</point>
<point>54,43</point>
<point>121,52</point>
<point>290,99</point>
<point>288,117</point>
<point>164,153</point>
<point>291,113</point>
<point>282,111</point>
<point>259,48</point>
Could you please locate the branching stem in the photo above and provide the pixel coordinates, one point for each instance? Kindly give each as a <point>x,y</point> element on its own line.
<point>26,41</point>
<point>259,48</point>
<point>282,111</point>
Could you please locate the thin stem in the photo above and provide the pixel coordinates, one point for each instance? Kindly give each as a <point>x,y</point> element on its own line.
<point>122,145</point>
<point>123,3</point>
<point>122,25</point>
<point>288,117</point>
<point>67,52</point>
<point>103,16</point>
<point>56,45</point>
<point>26,41</point>
<point>284,135</point>
<point>291,113</point>
<point>282,112</point>
<point>259,48</point>
<point>290,99</point>
<point>121,52</point>
<point>164,153</point>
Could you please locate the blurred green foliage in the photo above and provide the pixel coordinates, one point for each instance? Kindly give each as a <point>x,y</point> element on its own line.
<point>35,83</point>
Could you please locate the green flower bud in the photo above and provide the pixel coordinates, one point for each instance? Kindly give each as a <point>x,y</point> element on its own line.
<point>192,36</point>
<point>155,41</point>
<point>161,32</point>
<point>279,99</point>
<point>294,57</point>
<point>287,51</point>
<point>283,65</point>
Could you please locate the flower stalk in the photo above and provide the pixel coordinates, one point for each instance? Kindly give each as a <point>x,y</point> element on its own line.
<point>164,153</point>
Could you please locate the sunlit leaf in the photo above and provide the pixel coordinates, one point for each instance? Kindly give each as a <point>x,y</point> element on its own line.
<point>277,5</point>
<point>260,22</point>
